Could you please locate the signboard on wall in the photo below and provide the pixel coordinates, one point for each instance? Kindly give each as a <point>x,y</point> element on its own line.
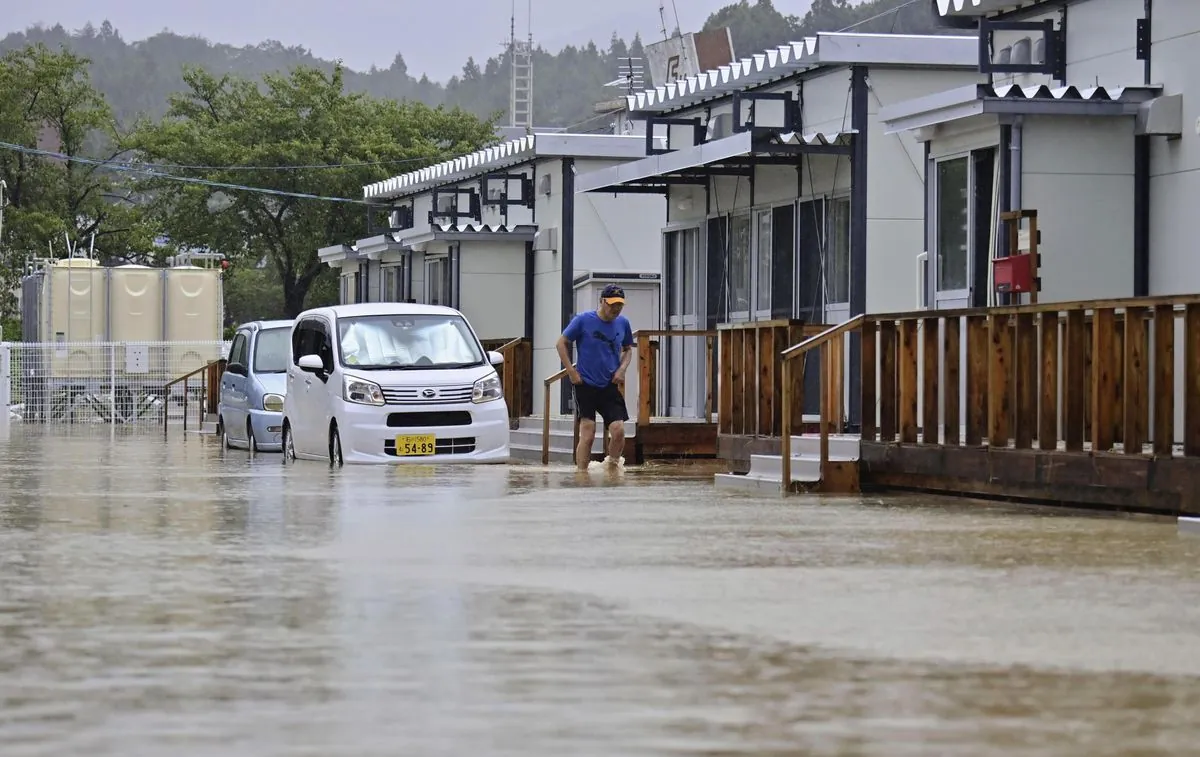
<point>688,55</point>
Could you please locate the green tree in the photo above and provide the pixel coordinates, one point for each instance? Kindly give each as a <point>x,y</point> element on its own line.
<point>330,142</point>
<point>47,102</point>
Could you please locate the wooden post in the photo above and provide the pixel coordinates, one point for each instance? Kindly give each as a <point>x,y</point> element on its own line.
<point>546,426</point>
<point>644,368</point>
<point>708,373</point>
<point>785,442</point>
<point>1164,380</point>
<point>826,388</point>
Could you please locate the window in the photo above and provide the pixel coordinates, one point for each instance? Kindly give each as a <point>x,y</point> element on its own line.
<point>311,337</point>
<point>441,275</point>
<point>764,243</point>
<point>953,234</point>
<point>739,265</point>
<point>838,250</point>
<point>408,341</point>
<point>237,350</point>
<point>270,351</point>
<point>346,292</point>
<point>392,284</point>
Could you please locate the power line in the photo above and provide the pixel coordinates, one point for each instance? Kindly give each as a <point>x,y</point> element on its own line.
<point>128,168</point>
<point>898,8</point>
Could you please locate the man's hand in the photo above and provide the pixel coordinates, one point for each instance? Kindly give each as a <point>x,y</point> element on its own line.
<point>619,377</point>
<point>574,376</point>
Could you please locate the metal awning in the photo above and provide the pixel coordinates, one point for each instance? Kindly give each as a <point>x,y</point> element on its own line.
<point>1010,99</point>
<point>335,255</point>
<point>737,154</point>
<point>374,247</point>
<point>472,232</point>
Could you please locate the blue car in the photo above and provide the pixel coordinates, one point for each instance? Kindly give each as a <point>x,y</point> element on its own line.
<point>250,413</point>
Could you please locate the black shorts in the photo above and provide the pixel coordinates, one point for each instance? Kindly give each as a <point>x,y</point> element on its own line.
<point>608,401</point>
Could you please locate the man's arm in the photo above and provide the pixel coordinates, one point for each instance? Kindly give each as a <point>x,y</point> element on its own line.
<point>570,334</point>
<point>626,353</point>
<point>626,356</point>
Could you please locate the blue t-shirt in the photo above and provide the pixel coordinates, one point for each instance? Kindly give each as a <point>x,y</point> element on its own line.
<point>598,345</point>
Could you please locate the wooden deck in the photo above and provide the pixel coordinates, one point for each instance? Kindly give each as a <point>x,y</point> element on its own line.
<point>1093,403</point>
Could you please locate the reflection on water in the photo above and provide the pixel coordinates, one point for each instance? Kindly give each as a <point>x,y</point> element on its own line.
<point>170,598</point>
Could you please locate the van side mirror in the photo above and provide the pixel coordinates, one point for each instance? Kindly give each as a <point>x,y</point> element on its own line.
<point>311,363</point>
<point>495,357</point>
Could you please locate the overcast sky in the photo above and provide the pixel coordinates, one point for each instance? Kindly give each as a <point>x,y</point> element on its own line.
<point>435,37</point>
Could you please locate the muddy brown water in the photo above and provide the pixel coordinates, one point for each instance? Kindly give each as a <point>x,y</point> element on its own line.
<point>174,599</point>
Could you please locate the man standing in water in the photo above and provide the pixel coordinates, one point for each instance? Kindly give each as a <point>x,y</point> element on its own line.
<point>604,341</point>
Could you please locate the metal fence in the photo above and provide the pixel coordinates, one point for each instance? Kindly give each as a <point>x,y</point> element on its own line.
<point>115,383</point>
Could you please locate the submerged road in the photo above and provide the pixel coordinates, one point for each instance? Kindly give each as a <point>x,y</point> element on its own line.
<point>174,599</point>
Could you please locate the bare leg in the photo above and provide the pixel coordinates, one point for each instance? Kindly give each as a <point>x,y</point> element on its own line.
<point>587,435</point>
<point>616,440</point>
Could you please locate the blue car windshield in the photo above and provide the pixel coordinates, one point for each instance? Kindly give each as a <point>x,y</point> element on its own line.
<point>271,350</point>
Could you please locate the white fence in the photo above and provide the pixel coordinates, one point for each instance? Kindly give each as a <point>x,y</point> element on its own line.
<point>115,383</point>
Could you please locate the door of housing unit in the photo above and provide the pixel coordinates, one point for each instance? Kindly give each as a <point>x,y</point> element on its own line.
<point>684,355</point>
<point>964,217</point>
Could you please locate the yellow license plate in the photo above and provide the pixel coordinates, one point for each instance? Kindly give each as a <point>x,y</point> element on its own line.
<point>416,446</point>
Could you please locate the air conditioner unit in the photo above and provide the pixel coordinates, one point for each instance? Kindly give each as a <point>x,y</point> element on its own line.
<point>720,125</point>
<point>546,239</point>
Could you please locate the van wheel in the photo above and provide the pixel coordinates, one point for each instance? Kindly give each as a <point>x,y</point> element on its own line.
<point>289,446</point>
<point>251,444</point>
<point>335,448</point>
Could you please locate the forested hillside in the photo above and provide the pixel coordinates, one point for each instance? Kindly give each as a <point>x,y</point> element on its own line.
<point>138,77</point>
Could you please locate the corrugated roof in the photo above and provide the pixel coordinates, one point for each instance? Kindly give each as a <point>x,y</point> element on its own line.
<point>977,99</point>
<point>826,48</point>
<point>507,154</point>
<point>980,7</point>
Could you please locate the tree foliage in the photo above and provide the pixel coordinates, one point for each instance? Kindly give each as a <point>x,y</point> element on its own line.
<point>48,102</point>
<point>288,130</point>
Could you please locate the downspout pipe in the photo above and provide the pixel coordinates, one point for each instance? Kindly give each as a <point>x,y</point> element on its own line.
<point>1015,142</point>
<point>1141,187</point>
<point>566,244</point>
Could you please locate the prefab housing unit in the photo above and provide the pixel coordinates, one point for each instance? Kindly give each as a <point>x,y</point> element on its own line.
<point>501,235</point>
<point>785,198</point>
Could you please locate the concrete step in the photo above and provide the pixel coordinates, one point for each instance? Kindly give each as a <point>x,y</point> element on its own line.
<point>746,483</point>
<point>526,453</point>
<point>564,423</point>
<point>559,440</point>
<point>806,468</point>
<point>841,446</point>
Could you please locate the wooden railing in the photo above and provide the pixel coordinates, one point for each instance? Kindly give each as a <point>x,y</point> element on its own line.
<point>516,377</point>
<point>649,365</point>
<point>751,401</point>
<point>210,391</point>
<point>831,343</point>
<point>1097,371</point>
<point>548,383</point>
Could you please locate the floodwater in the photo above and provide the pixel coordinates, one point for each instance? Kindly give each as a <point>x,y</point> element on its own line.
<point>173,599</point>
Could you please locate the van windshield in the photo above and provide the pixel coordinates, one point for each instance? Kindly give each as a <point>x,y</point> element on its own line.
<point>271,350</point>
<point>408,342</point>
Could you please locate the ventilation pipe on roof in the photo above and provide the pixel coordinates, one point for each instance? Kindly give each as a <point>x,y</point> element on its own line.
<point>1020,51</point>
<point>1014,160</point>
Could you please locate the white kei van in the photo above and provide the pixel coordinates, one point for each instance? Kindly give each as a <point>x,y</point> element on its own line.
<point>392,382</point>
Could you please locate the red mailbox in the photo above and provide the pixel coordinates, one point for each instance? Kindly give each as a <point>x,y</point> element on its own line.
<point>1013,274</point>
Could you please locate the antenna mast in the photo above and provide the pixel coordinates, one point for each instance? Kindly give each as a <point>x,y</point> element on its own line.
<point>520,53</point>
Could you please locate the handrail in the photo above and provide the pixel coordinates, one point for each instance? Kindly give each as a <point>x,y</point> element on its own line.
<point>204,369</point>
<point>821,340</point>
<point>510,344</point>
<point>548,382</point>
<point>187,376</point>
<point>1044,307</point>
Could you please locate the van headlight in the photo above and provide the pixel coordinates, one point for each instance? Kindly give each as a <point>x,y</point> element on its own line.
<point>273,403</point>
<point>487,389</point>
<point>361,392</point>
